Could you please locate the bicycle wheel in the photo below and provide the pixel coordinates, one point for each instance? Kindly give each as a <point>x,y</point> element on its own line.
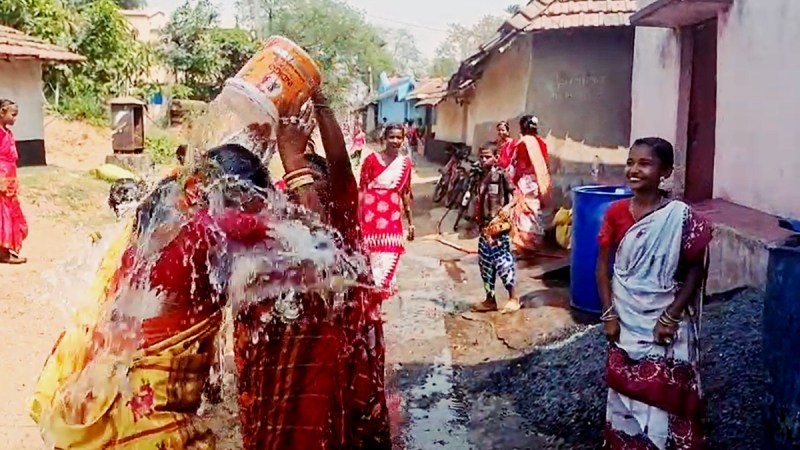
<point>463,208</point>
<point>455,194</point>
<point>441,187</point>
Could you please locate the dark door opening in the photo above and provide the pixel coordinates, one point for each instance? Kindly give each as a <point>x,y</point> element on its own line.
<point>702,124</point>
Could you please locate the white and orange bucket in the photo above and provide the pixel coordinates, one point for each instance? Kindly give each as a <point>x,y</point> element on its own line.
<point>274,79</point>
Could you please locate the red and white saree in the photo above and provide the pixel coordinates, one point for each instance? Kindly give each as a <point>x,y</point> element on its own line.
<point>381,212</point>
<point>654,397</point>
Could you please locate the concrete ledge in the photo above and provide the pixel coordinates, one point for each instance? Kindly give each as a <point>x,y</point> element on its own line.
<point>739,252</point>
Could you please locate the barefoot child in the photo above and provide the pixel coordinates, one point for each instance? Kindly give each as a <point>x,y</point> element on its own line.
<point>494,201</point>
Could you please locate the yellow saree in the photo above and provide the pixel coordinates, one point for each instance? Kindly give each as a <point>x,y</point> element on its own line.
<point>89,401</point>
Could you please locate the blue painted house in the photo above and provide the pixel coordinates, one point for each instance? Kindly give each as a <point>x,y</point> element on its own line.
<point>392,99</point>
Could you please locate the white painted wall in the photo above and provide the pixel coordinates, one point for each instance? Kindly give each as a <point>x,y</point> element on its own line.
<point>449,121</point>
<point>758,106</point>
<point>21,81</point>
<point>656,73</point>
<point>758,101</point>
<point>501,93</point>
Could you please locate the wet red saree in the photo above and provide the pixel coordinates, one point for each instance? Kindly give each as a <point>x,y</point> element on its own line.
<point>316,383</point>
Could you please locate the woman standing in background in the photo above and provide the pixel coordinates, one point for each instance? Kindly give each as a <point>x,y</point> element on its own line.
<point>13,227</point>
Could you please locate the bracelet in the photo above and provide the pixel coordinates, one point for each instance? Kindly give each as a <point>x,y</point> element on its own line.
<point>609,315</point>
<point>667,322</point>
<point>670,318</point>
<point>296,174</point>
<point>298,182</point>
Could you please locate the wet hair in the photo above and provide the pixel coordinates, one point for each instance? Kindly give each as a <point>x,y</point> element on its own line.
<point>527,124</point>
<point>489,146</point>
<point>181,152</point>
<point>317,164</point>
<point>392,127</point>
<point>233,159</point>
<point>125,191</point>
<point>148,208</point>
<point>661,148</point>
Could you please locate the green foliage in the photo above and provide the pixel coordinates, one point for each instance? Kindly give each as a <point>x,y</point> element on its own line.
<point>443,66</point>
<point>161,145</point>
<point>463,41</point>
<point>94,29</point>
<point>201,53</point>
<point>335,34</point>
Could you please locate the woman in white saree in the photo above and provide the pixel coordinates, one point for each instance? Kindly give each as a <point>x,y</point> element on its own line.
<point>651,302</point>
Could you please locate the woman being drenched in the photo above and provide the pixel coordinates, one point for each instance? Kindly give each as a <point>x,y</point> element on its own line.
<point>651,300</point>
<point>311,377</point>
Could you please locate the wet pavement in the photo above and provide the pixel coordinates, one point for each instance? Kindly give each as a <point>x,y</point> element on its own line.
<point>534,379</point>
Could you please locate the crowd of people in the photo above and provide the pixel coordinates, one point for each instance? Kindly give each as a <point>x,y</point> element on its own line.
<point>118,380</point>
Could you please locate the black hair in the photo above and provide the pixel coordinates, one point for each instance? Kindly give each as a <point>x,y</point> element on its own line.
<point>528,125</point>
<point>317,164</point>
<point>503,123</point>
<point>393,126</point>
<point>489,146</point>
<point>661,148</point>
<point>148,208</point>
<point>123,191</point>
<point>233,159</point>
<point>5,103</point>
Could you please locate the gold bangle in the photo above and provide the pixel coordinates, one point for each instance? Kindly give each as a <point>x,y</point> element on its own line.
<point>296,174</point>
<point>666,314</point>
<point>298,182</point>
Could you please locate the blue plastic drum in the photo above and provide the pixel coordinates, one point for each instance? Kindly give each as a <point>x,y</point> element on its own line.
<point>588,208</point>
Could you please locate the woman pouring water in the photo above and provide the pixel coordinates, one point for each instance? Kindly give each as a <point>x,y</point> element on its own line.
<point>315,381</point>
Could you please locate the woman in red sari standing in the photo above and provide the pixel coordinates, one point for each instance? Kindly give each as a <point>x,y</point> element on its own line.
<point>531,177</point>
<point>13,227</point>
<point>385,196</point>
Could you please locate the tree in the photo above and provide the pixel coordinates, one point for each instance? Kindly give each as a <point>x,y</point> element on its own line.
<point>443,66</point>
<point>402,47</point>
<point>188,45</point>
<point>337,36</point>
<point>462,41</point>
<point>131,4</point>
<point>513,8</point>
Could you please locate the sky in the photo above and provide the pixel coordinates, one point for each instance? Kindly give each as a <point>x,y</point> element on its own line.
<point>426,19</point>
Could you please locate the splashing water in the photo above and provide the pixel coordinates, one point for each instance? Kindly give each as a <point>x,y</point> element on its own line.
<point>299,254</point>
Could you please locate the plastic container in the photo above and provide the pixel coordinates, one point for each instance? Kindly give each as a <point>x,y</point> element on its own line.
<point>589,206</point>
<point>276,77</point>
<point>781,333</point>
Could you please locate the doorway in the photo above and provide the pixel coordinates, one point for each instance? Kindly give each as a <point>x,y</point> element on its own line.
<point>702,123</point>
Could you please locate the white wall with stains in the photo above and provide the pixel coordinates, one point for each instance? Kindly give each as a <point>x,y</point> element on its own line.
<point>21,81</point>
<point>757,161</point>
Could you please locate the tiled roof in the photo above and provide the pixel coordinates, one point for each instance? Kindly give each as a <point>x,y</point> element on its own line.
<point>561,14</point>
<point>428,88</point>
<point>15,44</point>
<point>539,15</point>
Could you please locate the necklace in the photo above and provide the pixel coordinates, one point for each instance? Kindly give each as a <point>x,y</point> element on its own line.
<point>638,217</point>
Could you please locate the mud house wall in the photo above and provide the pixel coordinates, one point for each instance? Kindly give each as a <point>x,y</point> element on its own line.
<point>580,88</point>
<point>758,102</point>
<point>21,81</point>
<point>448,129</point>
<point>500,93</point>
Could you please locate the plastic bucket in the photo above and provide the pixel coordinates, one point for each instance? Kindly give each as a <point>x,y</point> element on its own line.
<point>589,207</point>
<point>276,77</point>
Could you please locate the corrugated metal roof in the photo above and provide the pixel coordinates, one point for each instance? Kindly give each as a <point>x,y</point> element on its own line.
<point>15,44</point>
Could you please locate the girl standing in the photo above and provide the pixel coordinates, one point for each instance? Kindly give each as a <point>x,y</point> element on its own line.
<point>651,301</point>
<point>359,141</point>
<point>13,227</point>
<point>506,146</point>
<point>385,196</point>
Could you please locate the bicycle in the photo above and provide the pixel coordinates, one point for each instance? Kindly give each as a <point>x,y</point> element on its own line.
<point>467,189</point>
<point>451,173</point>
